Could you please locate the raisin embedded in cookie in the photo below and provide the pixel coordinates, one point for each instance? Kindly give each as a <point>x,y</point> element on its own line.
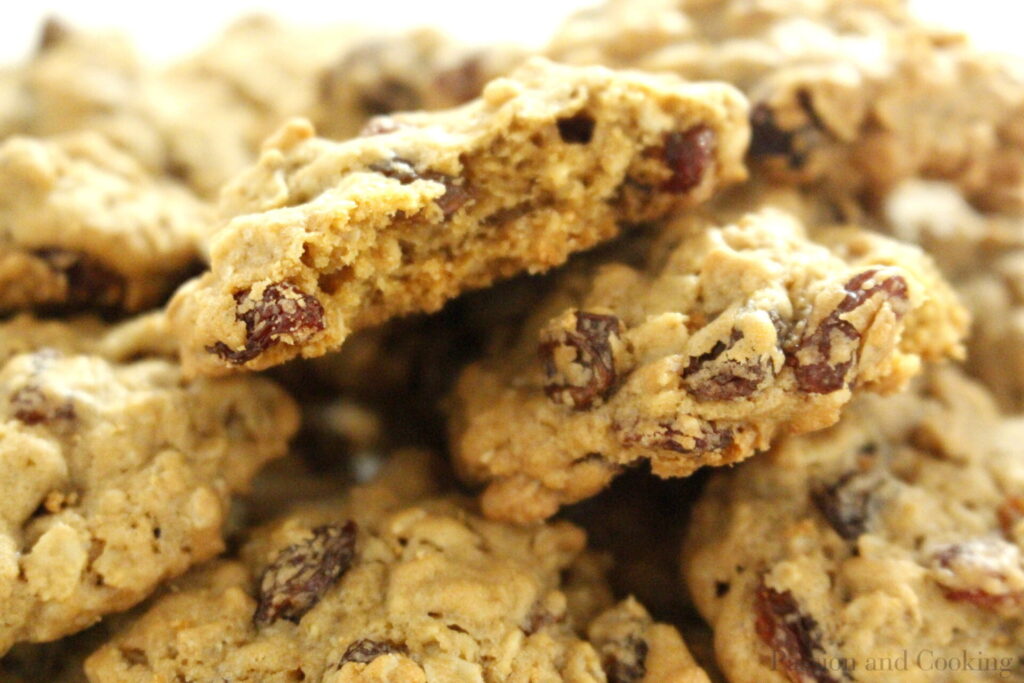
<point>116,471</point>
<point>851,92</point>
<point>895,536</point>
<point>379,588</point>
<point>327,238</point>
<point>419,69</point>
<point>85,227</point>
<point>730,334</point>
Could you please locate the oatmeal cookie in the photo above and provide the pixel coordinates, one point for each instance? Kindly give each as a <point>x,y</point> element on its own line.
<point>94,81</point>
<point>327,238</point>
<point>86,227</point>
<point>116,472</point>
<point>730,334</point>
<point>421,69</point>
<point>895,536</point>
<point>373,588</point>
<point>983,256</point>
<point>200,120</point>
<point>216,107</point>
<point>848,92</point>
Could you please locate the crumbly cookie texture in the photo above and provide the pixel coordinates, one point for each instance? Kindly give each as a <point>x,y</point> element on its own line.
<point>730,334</point>
<point>983,256</point>
<point>84,226</point>
<point>850,92</point>
<point>327,238</point>
<point>895,536</point>
<point>421,69</point>
<point>116,473</point>
<point>369,590</point>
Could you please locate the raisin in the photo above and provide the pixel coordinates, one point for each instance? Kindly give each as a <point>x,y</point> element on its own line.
<point>365,651</point>
<point>711,379</point>
<point>769,140</point>
<point>540,618</point>
<point>301,573</point>
<point>283,310</point>
<point>847,503</point>
<point>89,282</point>
<point>825,374</point>
<point>688,156</point>
<point>960,566</point>
<point>54,33</point>
<point>1010,513</point>
<point>710,438</point>
<point>387,96</point>
<point>626,662</point>
<point>791,635</point>
<point>591,376</point>
<point>463,81</point>
<point>576,130</point>
<point>455,196</point>
<point>32,407</point>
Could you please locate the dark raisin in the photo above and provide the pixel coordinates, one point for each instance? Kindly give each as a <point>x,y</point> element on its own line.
<point>721,588</point>
<point>300,574</point>
<point>365,651</point>
<point>1010,513</point>
<point>709,379</point>
<point>89,282</point>
<point>389,95</point>
<point>54,33</point>
<point>769,140</point>
<point>539,618</point>
<point>455,195</point>
<point>711,437</point>
<point>591,375</point>
<point>283,310</point>
<point>463,81</point>
<point>792,636</point>
<point>626,662</point>
<point>825,374</point>
<point>806,102</point>
<point>576,130</point>
<point>134,656</point>
<point>964,564</point>
<point>688,156</point>
<point>848,503</point>
<point>32,407</point>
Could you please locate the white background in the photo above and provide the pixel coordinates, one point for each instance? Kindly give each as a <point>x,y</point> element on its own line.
<point>168,28</point>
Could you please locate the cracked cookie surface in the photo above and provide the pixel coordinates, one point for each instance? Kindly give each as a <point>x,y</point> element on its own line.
<point>730,334</point>
<point>895,534</point>
<point>379,588</point>
<point>324,238</point>
<point>116,470</point>
<point>848,92</point>
<point>83,226</point>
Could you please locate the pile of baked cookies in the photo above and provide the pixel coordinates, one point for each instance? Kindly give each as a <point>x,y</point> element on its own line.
<point>328,357</point>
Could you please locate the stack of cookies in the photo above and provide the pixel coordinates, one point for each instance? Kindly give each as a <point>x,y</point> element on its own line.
<point>327,357</point>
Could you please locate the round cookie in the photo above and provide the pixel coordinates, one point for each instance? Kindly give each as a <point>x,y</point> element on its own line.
<point>116,471</point>
<point>887,548</point>
<point>376,588</point>
<point>728,333</point>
